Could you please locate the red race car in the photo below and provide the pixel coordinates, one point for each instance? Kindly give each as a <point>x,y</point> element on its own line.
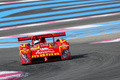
<point>41,51</point>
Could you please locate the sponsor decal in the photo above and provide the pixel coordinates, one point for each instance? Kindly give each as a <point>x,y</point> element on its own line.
<point>42,52</point>
<point>24,50</point>
<point>43,48</point>
<point>44,45</point>
<point>64,46</point>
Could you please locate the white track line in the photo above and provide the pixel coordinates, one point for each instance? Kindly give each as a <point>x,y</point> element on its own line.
<point>51,31</point>
<point>107,41</point>
<point>83,5</point>
<point>59,21</point>
<point>12,2</point>
<point>11,75</point>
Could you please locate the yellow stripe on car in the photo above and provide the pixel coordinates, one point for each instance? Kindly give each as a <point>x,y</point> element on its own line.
<point>45,55</point>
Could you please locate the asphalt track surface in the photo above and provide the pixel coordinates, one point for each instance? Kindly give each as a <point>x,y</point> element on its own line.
<point>89,61</point>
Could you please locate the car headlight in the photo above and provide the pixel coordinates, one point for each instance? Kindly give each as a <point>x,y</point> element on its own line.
<point>24,56</point>
<point>66,51</point>
<point>64,55</point>
<point>27,60</point>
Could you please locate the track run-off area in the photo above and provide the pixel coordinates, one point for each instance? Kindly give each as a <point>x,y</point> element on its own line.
<point>92,28</point>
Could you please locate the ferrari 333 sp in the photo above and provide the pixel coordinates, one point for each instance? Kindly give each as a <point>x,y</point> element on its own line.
<point>41,51</point>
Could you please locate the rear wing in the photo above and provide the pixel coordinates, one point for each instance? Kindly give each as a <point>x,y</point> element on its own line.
<point>43,35</point>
